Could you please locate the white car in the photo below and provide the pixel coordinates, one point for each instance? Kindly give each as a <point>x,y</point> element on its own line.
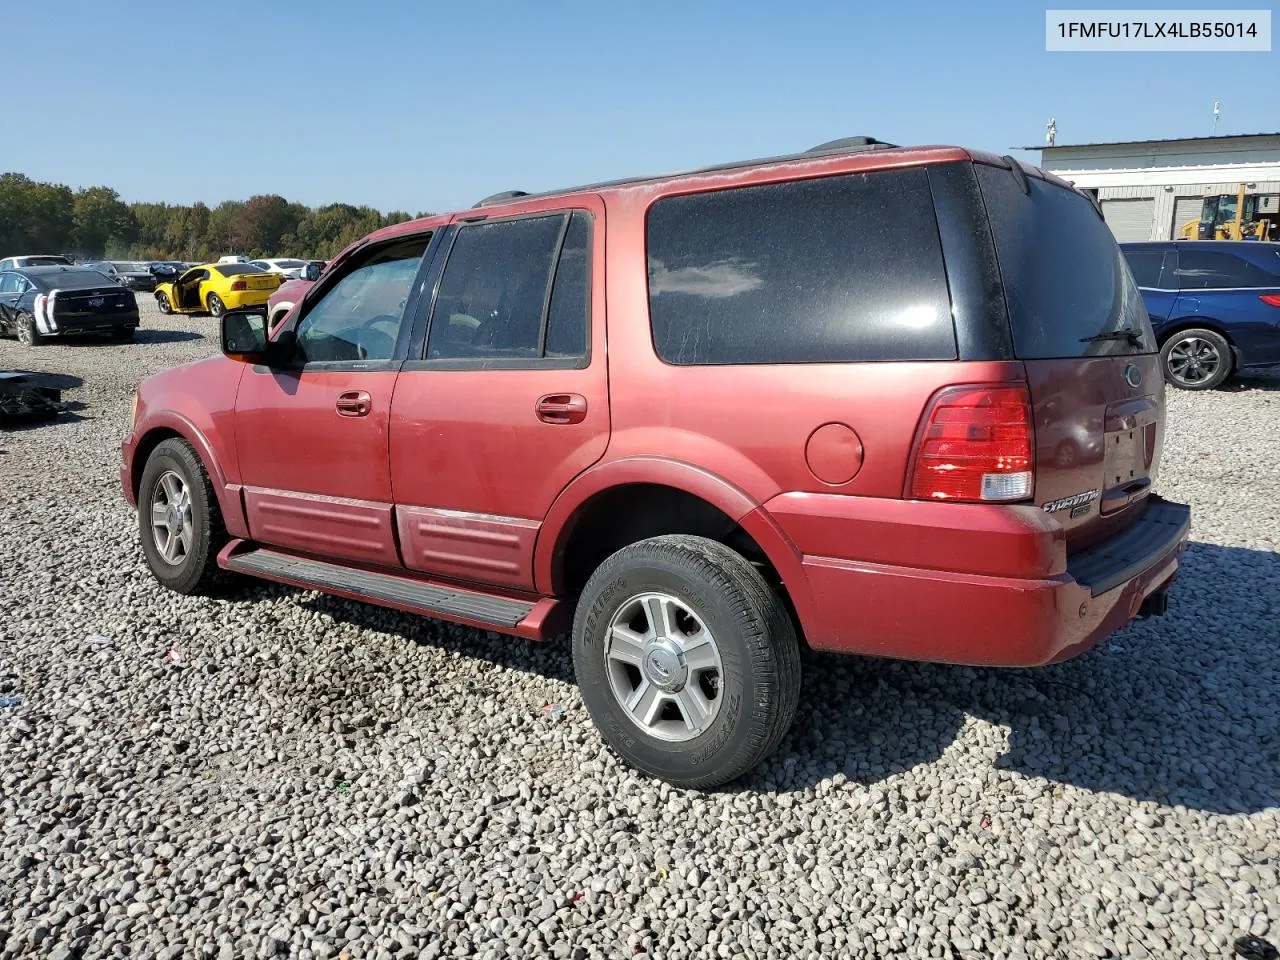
<point>34,260</point>
<point>288,268</point>
<point>233,258</point>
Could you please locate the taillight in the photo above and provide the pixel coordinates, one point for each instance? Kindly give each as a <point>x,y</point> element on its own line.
<point>239,285</point>
<point>975,444</point>
<point>1271,299</point>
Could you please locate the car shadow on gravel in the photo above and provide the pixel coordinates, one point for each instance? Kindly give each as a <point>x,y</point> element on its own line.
<point>153,335</point>
<point>1180,709</point>
<point>1266,380</point>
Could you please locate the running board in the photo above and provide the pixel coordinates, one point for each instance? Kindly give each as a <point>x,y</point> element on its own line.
<point>536,620</point>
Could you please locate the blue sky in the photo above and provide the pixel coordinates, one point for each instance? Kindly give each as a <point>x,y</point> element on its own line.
<point>424,106</point>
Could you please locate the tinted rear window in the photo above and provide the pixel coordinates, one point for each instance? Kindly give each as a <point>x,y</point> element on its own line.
<point>1213,269</point>
<point>1145,264</point>
<point>832,270</point>
<point>77,280</point>
<point>1065,280</point>
<point>233,269</point>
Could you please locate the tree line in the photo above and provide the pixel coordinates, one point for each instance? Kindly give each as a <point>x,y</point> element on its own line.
<point>94,223</point>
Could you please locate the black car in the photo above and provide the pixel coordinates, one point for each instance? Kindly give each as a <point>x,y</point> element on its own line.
<point>166,270</point>
<point>135,275</point>
<point>41,302</point>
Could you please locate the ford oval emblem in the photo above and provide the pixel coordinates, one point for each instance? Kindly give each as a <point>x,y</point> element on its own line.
<point>1133,376</point>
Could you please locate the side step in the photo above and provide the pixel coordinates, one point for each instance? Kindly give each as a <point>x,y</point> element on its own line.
<point>537,620</point>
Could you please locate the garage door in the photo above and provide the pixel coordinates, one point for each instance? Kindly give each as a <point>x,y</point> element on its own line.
<point>1184,209</point>
<point>1129,219</point>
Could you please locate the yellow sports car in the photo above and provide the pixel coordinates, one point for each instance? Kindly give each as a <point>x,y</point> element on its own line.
<point>216,288</point>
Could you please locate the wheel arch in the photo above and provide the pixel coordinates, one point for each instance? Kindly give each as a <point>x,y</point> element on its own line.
<point>1201,323</point>
<point>1195,323</point>
<point>168,426</point>
<point>595,513</point>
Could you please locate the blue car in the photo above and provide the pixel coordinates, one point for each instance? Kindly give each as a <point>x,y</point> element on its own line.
<point>1214,306</point>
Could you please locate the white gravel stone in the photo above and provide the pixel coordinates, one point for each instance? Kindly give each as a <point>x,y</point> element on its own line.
<point>309,776</point>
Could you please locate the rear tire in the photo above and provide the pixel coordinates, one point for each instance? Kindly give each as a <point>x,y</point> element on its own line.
<point>706,687</point>
<point>123,333</point>
<point>162,301</point>
<point>179,519</point>
<point>216,307</point>
<point>28,333</point>
<point>1196,359</point>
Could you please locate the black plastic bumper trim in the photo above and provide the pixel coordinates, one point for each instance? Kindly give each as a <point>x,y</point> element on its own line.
<point>1133,551</point>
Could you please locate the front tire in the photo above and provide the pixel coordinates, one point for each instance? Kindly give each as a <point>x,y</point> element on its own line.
<point>162,301</point>
<point>216,307</point>
<point>179,519</point>
<point>687,660</point>
<point>28,333</point>
<point>1196,359</point>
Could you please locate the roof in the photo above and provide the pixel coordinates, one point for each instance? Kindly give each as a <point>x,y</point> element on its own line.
<point>1138,143</point>
<point>1205,244</point>
<point>46,269</point>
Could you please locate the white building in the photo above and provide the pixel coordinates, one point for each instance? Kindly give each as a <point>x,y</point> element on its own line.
<point>1149,188</point>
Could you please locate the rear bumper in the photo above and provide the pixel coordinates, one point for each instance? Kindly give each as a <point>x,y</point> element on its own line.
<point>980,614</point>
<point>246,298</point>
<point>92,323</point>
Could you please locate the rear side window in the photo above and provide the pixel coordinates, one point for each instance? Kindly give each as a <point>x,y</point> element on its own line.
<point>1067,286</point>
<point>1145,265</point>
<point>832,270</point>
<point>1212,269</point>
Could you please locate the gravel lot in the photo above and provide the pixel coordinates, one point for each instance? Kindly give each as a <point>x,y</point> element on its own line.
<point>281,773</point>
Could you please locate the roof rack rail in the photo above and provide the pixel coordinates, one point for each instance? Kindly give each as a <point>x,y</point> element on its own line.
<point>851,144</point>
<point>499,197</point>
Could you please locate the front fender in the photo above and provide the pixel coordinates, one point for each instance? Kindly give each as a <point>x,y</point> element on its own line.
<point>196,402</point>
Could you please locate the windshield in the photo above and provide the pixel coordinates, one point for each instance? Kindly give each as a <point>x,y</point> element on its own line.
<point>129,266</point>
<point>1068,288</point>
<point>44,261</point>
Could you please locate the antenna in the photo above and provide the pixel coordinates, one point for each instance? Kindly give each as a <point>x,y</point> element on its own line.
<point>1051,131</point>
<point>1217,105</point>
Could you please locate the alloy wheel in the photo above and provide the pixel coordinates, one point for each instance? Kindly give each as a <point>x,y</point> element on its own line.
<point>1193,361</point>
<point>664,666</point>
<point>171,524</point>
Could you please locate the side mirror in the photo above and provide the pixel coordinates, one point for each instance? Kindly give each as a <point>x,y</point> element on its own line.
<point>311,272</point>
<point>244,335</point>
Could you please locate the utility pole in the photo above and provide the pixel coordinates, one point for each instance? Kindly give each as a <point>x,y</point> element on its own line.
<point>1051,131</point>
<point>1217,105</point>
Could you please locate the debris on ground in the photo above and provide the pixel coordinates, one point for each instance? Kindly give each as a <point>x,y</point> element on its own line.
<point>96,642</point>
<point>174,655</point>
<point>554,711</point>
<point>25,397</point>
<point>13,701</point>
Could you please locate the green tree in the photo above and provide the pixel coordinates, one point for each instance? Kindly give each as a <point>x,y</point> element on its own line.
<point>102,221</point>
<point>34,217</point>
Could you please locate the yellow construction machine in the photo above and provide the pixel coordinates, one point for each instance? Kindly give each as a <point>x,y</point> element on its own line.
<point>1245,216</point>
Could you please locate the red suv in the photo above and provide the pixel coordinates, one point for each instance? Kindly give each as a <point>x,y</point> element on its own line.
<point>893,401</point>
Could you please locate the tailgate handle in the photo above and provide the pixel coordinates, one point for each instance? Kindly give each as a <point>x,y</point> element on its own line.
<point>1117,497</point>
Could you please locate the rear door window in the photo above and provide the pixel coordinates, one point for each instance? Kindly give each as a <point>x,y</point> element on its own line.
<point>514,290</point>
<point>1068,288</point>
<point>1218,270</point>
<point>1145,263</point>
<point>829,270</point>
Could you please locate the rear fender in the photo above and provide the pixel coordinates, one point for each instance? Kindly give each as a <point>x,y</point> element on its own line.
<point>558,527</point>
